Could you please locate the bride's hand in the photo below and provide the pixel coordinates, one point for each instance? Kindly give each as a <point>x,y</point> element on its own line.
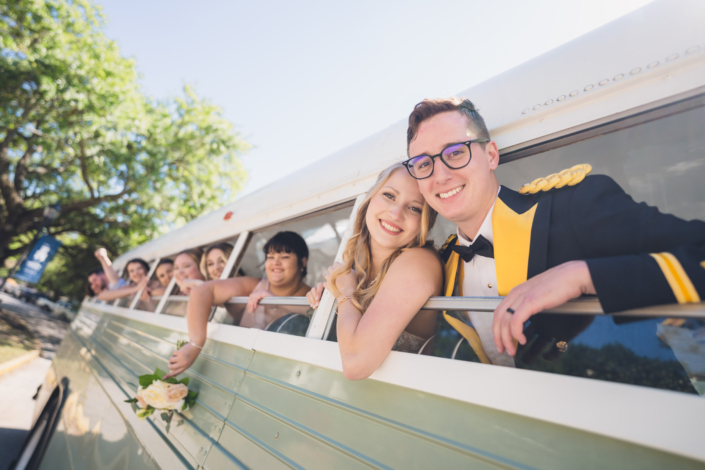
<point>314,295</point>
<point>255,297</point>
<point>182,359</point>
<point>346,283</point>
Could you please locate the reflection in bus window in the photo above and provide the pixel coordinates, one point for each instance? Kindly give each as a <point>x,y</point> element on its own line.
<point>664,353</point>
<point>661,162</point>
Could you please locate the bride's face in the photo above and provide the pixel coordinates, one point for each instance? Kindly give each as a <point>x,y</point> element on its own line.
<point>394,214</point>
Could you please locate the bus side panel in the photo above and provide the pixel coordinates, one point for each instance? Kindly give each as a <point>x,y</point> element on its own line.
<point>128,348</point>
<point>315,418</point>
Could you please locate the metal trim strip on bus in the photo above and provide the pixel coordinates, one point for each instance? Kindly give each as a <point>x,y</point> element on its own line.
<point>136,299</point>
<point>116,302</point>
<point>582,306</point>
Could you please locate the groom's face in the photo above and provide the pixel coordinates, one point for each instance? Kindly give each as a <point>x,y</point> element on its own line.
<point>463,194</point>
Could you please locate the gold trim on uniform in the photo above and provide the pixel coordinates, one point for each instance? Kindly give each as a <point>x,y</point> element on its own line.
<point>512,239</point>
<point>570,177</point>
<point>681,285</point>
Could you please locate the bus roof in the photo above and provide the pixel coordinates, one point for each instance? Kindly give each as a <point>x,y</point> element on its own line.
<point>655,54</point>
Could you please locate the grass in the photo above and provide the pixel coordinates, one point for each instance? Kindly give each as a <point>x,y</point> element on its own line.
<point>15,338</point>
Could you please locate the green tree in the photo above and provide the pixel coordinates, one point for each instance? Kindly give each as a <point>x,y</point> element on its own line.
<point>75,129</point>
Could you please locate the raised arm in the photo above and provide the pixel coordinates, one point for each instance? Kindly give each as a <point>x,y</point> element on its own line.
<point>102,255</point>
<point>366,340</point>
<point>201,301</point>
<point>108,295</point>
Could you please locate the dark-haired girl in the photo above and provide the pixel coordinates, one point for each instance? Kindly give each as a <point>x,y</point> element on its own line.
<point>285,267</point>
<point>137,270</point>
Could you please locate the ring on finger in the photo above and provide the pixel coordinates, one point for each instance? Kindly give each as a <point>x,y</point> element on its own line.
<point>511,310</point>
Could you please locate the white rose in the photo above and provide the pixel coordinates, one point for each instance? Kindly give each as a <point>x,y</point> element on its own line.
<point>156,395</point>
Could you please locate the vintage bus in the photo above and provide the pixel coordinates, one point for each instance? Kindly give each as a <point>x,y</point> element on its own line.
<point>627,98</point>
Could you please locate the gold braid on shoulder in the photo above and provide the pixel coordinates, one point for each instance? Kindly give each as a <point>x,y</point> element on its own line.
<point>568,177</point>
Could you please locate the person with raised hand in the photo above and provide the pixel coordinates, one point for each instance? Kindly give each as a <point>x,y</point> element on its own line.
<point>389,271</point>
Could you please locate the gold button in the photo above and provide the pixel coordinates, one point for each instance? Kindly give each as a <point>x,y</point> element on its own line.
<point>489,285</point>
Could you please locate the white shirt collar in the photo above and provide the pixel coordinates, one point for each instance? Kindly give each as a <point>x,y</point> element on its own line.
<point>485,228</point>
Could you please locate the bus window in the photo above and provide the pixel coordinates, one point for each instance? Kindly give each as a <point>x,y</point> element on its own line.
<point>323,233</point>
<point>661,162</point>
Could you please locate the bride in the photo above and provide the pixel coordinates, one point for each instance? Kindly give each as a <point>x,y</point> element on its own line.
<point>389,271</point>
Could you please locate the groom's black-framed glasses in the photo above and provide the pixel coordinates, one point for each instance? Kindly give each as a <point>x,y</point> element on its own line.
<point>454,156</point>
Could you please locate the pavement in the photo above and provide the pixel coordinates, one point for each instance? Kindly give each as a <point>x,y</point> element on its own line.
<point>18,386</point>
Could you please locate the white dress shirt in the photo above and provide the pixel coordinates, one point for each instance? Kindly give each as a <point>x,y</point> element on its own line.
<point>480,280</point>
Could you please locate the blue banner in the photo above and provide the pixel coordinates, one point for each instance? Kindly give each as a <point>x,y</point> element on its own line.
<point>33,267</point>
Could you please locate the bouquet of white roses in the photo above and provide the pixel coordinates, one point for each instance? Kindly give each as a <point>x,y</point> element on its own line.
<point>167,396</point>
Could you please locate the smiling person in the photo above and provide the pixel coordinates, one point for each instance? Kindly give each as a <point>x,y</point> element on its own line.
<point>574,235</point>
<point>164,273</point>
<point>214,260</point>
<point>286,255</point>
<point>387,258</point>
<point>137,270</point>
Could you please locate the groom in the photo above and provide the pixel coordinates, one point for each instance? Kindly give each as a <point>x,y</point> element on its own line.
<point>575,235</point>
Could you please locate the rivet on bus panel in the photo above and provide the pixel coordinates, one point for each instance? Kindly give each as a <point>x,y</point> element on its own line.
<point>653,64</point>
<point>525,111</point>
<point>536,106</point>
<point>618,77</point>
<point>574,93</point>
<point>603,82</point>
<point>692,49</point>
<point>635,71</point>
<point>561,98</point>
<point>589,87</point>
<point>672,57</point>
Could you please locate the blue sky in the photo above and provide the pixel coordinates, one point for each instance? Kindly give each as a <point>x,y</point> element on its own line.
<point>303,79</point>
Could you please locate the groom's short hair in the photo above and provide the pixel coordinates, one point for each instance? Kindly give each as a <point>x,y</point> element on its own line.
<point>430,107</point>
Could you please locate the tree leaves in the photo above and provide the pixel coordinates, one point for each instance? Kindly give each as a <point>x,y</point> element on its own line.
<point>76,129</point>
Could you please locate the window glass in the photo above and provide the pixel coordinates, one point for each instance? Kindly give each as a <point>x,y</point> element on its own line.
<point>323,233</point>
<point>664,353</point>
<point>661,162</point>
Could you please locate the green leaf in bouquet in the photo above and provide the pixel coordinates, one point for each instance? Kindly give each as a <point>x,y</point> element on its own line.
<point>181,343</point>
<point>171,380</point>
<point>165,416</point>
<point>159,374</point>
<point>144,413</point>
<point>146,380</point>
<point>131,400</point>
<point>185,381</point>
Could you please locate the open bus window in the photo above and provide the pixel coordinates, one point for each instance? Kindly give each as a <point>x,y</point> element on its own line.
<point>323,233</point>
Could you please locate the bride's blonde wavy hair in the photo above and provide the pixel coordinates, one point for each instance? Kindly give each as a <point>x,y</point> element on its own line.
<point>357,253</point>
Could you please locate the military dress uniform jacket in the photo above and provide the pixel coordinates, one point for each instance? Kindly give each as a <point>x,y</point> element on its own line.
<point>637,256</point>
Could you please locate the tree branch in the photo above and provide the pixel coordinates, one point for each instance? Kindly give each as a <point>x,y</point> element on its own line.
<point>84,169</point>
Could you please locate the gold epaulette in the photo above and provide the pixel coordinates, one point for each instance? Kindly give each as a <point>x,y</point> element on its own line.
<point>568,177</point>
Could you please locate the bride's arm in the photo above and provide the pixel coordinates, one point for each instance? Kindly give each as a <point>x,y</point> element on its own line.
<point>366,340</point>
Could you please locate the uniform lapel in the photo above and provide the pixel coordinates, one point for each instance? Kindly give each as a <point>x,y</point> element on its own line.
<point>518,223</point>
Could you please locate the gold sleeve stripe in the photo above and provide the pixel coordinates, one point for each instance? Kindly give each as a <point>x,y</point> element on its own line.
<point>678,280</point>
<point>702,264</point>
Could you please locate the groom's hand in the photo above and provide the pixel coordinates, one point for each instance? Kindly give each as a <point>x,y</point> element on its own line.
<point>547,290</point>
